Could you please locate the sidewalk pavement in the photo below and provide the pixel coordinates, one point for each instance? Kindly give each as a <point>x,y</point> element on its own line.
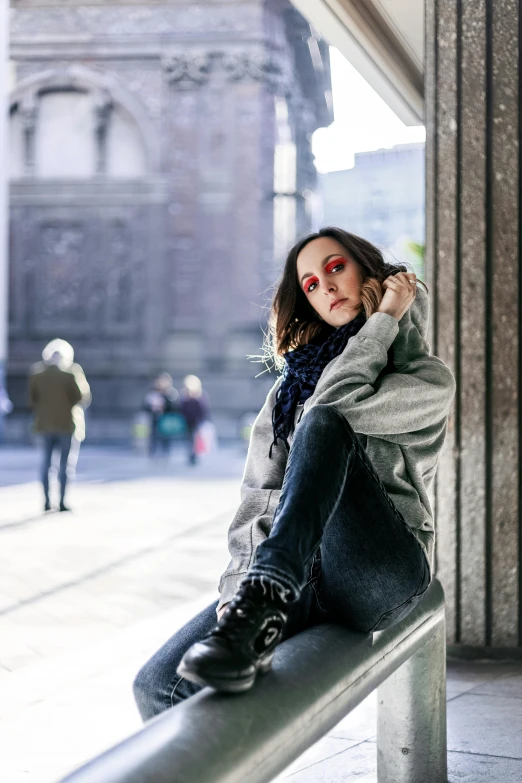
<point>87,597</point>
<point>484,732</point>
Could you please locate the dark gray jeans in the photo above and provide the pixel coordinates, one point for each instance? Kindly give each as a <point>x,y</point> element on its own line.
<point>68,449</point>
<point>337,540</point>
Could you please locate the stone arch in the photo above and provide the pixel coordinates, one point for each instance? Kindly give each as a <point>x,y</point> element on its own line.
<point>106,89</point>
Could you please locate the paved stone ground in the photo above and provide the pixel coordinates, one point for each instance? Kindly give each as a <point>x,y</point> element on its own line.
<point>484,732</point>
<point>87,597</point>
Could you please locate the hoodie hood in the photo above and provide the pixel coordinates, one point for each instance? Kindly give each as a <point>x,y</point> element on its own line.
<point>411,343</point>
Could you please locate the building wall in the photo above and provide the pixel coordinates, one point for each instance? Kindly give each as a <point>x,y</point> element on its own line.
<point>382,198</point>
<point>142,191</point>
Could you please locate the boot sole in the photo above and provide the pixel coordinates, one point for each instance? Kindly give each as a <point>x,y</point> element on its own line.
<point>225,684</point>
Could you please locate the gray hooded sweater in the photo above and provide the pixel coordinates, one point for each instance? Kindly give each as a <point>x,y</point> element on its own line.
<point>400,419</point>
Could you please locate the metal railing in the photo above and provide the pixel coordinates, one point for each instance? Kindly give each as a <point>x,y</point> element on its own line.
<point>318,677</point>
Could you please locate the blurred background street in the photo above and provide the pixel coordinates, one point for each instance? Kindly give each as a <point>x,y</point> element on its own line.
<point>87,596</point>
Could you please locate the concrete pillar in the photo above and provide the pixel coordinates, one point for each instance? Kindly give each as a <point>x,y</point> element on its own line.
<point>473,92</point>
<point>4,10</point>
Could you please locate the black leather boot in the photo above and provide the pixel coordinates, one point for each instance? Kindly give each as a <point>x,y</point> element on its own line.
<point>243,641</point>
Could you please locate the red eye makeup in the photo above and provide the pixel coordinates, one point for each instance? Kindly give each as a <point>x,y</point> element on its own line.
<point>330,266</point>
<point>309,282</point>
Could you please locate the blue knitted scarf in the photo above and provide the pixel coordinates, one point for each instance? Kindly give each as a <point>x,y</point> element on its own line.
<point>303,368</point>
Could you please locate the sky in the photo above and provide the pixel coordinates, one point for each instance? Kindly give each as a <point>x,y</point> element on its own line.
<point>363,121</point>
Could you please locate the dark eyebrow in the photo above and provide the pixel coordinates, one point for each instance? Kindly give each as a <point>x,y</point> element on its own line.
<point>323,263</point>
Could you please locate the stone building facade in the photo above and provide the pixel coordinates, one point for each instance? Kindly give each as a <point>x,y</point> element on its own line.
<point>160,165</point>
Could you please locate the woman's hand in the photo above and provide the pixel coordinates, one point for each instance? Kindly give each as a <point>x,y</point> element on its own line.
<point>399,294</point>
<point>220,612</point>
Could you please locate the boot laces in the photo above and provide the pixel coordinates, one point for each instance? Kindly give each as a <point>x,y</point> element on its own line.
<point>253,595</point>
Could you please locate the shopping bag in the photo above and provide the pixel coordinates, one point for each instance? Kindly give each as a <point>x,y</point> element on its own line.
<point>205,438</point>
<point>171,425</point>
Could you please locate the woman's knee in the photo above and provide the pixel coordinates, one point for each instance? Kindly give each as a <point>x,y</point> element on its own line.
<point>389,602</point>
<point>326,421</point>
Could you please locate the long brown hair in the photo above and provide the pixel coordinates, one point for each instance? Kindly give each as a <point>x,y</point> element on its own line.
<point>293,321</point>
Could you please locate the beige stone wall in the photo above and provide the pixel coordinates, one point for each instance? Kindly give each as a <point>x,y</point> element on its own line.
<point>473,257</point>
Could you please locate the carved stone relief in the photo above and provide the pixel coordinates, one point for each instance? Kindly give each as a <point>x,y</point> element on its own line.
<point>187,72</point>
<point>260,67</point>
<point>190,70</point>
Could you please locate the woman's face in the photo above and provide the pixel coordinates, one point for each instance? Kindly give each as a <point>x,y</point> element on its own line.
<point>331,280</point>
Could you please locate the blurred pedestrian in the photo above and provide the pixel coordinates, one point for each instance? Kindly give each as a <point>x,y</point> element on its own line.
<point>161,399</point>
<point>6,407</point>
<point>58,395</point>
<point>195,409</point>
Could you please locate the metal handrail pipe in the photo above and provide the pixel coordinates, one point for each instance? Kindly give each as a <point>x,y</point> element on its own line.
<point>318,677</point>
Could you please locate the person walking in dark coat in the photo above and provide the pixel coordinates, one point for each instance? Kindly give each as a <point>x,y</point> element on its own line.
<point>58,394</point>
<point>195,409</point>
<point>162,398</point>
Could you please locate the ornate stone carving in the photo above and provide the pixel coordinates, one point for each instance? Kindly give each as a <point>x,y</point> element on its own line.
<point>259,67</point>
<point>185,71</point>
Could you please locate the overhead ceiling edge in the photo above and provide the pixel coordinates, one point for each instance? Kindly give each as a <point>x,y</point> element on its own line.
<point>371,45</point>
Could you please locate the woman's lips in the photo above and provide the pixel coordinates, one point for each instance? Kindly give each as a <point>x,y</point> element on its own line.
<point>337,304</point>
